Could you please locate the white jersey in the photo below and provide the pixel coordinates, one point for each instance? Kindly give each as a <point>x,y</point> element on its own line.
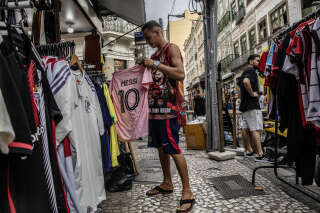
<point>6,130</point>
<point>83,124</point>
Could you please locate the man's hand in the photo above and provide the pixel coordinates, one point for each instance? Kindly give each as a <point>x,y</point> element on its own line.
<point>255,95</point>
<point>147,62</point>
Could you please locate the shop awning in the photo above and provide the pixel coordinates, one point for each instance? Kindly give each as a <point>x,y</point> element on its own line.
<point>79,15</point>
<point>132,11</point>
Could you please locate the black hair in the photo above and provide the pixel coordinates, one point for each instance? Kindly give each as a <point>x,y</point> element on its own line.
<point>252,57</point>
<point>150,25</point>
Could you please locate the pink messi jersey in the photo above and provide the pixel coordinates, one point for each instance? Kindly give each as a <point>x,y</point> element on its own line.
<point>129,92</point>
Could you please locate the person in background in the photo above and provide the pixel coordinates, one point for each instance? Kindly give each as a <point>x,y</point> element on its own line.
<point>164,128</point>
<point>252,120</point>
<point>262,101</point>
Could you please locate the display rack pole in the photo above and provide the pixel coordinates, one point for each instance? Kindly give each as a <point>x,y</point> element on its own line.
<point>129,148</point>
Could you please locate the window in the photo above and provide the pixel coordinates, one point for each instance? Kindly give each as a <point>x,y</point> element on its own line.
<point>240,4</point>
<point>252,38</point>
<point>233,10</point>
<point>279,18</point>
<point>263,31</point>
<point>236,49</point>
<point>243,41</point>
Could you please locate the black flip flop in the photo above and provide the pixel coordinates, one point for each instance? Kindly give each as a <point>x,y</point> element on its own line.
<point>190,201</point>
<point>160,191</point>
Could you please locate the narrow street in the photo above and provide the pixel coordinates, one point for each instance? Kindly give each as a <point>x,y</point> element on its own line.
<point>277,198</point>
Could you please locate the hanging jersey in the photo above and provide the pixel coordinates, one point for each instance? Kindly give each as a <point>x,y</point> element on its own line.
<point>115,152</point>
<point>129,92</point>
<point>67,172</point>
<point>107,122</point>
<point>82,122</point>
<point>313,112</point>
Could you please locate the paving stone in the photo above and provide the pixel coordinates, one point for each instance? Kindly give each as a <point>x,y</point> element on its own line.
<point>208,199</point>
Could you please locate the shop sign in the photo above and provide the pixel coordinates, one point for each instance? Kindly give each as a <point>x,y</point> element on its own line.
<point>139,39</point>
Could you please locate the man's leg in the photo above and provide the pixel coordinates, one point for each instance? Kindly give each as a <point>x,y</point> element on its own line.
<point>245,133</point>
<point>256,138</point>
<point>182,167</point>
<point>246,140</point>
<point>165,165</point>
<point>155,133</point>
<point>255,123</point>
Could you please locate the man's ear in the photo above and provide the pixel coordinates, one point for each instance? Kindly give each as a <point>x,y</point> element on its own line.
<point>158,31</point>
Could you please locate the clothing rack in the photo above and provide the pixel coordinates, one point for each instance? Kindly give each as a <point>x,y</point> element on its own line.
<point>17,5</point>
<point>276,166</point>
<point>61,49</point>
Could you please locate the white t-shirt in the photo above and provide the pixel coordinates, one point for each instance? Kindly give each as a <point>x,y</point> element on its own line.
<point>6,130</point>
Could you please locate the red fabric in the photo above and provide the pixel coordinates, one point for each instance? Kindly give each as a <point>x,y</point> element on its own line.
<point>21,145</point>
<point>263,61</point>
<point>67,148</point>
<point>301,26</point>
<point>30,73</point>
<point>11,204</point>
<point>173,142</point>
<point>295,47</point>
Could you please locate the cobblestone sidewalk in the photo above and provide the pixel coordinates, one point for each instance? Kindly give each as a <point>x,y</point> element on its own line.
<point>208,199</point>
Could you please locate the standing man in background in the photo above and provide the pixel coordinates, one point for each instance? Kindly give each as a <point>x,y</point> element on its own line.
<point>167,70</point>
<point>252,121</point>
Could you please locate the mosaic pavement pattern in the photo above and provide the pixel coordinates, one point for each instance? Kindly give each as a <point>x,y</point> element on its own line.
<point>208,199</point>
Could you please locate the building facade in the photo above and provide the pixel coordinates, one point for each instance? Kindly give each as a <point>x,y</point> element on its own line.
<point>179,30</point>
<point>121,53</point>
<point>244,27</point>
<point>194,62</point>
<point>250,25</point>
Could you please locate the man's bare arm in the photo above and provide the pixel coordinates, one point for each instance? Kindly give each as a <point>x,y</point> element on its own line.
<point>247,85</point>
<point>175,72</point>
